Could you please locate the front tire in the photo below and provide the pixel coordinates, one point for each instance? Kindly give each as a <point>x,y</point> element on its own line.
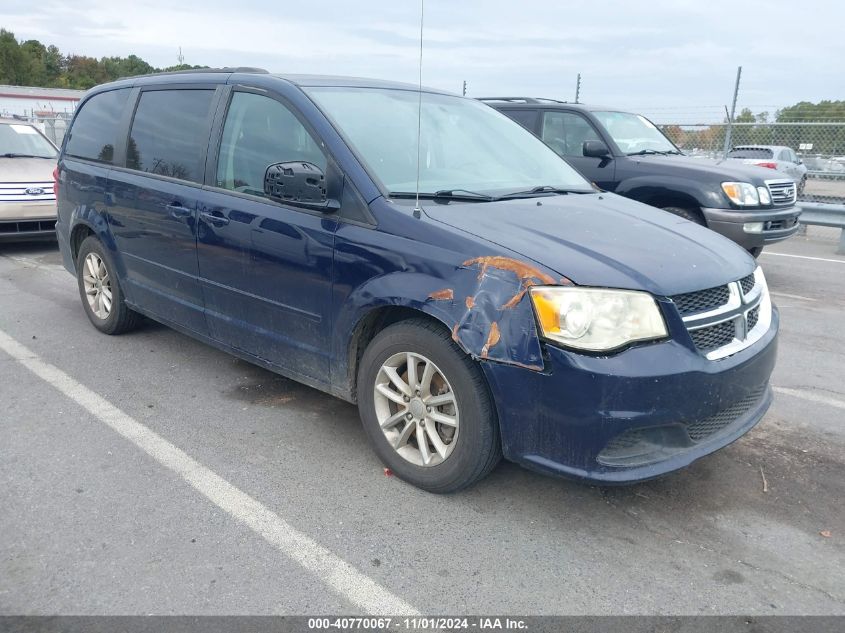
<point>100,291</point>
<point>693,215</point>
<point>426,408</point>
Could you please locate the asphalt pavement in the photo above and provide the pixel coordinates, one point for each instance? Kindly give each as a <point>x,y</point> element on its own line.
<point>151,474</point>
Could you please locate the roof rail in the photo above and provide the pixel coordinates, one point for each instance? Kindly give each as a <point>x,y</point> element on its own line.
<point>227,69</point>
<point>521,99</point>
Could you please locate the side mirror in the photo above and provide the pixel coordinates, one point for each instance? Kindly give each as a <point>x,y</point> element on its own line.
<point>299,183</point>
<point>596,149</point>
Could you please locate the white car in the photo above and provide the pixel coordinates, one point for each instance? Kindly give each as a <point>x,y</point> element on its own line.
<point>27,197</point>
<point>777,157</point>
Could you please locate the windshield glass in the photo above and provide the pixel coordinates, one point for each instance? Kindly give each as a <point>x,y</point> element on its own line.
<point>634,133</point>
<point>750,152</point>
<point>464,144</point>
<point>21,138</point>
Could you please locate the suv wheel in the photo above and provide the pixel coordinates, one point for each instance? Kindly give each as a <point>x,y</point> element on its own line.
<point>693,215</point>
<point>426,409</point>
<point>102,297</point>
<point>802,184</point>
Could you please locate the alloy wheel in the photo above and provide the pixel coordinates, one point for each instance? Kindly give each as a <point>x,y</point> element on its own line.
<point>416,409</point>
<point>97,284</point>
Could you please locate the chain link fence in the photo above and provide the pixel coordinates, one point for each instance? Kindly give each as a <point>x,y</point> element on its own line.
<point>819,145</point>
<point>53,127</point>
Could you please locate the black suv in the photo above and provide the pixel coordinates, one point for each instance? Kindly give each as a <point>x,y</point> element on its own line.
<point>627,154</point>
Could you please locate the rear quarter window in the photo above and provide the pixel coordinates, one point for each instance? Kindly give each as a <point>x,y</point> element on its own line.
<point>95,129</point>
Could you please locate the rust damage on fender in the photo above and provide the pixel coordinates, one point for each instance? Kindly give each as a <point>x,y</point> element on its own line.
<point>447,294</point>
<point>497,324</point>
<point>492,338</point>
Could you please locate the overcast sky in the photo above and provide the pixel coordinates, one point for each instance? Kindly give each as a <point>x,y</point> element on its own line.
<point>673,59</point>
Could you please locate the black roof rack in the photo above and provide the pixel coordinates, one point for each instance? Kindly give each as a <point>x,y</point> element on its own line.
<point>522,99</point>
<point>227,69</point>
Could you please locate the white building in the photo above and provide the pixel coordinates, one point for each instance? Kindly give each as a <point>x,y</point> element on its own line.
<point>38,102</point>
<point>50,108</point>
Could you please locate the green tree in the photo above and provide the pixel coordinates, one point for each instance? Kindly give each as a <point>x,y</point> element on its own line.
<point>13,62</point>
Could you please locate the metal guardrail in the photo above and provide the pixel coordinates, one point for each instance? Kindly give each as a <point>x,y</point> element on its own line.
<point>824,214</point>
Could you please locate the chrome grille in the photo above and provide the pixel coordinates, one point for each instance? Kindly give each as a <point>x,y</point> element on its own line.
<point>725,320</point>
<point>747,284</point>
<point>753,317</point>
<point>702,300</point>
<point>710,338</point>
<point>17,191</point>
<point>782,192</point>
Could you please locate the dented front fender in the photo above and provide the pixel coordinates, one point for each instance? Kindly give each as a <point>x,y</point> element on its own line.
<point>493,319</point>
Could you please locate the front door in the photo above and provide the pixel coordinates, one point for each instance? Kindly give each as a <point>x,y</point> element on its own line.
<point>266,267</point>
<point>153,203</point>
<point>565,133</point>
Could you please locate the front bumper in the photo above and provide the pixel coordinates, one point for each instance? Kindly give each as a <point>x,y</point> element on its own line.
<point>27,220</point>
<point>632,416</point>
<point>780,224</point>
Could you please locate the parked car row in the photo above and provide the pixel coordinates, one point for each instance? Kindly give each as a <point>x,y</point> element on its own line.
<point>426,257</point>
<point>626,153</point>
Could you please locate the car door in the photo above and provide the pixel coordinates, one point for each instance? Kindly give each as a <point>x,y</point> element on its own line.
<point>265,266</point>
<point>565,132</point>
<point>153,202</point>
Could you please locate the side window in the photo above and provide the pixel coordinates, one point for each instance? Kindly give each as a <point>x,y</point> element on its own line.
<point>526,118</point>
<point>169,133</point>
<point>94,130</point>
<point>565,132</point>
<point>258,132</point>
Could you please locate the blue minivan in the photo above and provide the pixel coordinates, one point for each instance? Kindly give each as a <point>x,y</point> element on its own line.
<point>423,256</point>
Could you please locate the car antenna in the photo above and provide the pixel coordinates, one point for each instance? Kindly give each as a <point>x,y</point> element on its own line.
<point>417,209</point>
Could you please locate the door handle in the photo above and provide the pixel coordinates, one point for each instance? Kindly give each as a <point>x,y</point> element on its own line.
<point>216,220</point>
<point>178,211</point>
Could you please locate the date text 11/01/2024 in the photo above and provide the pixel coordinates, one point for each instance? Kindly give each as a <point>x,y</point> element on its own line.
<point>417,623</point>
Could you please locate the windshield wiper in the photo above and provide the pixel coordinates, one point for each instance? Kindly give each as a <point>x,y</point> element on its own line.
<point>16,155</point>
<point>643,152</point>
<point>547,189</point>
<point>445,194</point>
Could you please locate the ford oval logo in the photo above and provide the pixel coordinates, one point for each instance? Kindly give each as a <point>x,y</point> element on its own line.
<point>34,191</point>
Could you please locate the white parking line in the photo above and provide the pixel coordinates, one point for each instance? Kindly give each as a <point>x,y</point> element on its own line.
<point>789,296</point>
<point>340,576</point>
<point>809,395</point>
<point>817,259</point>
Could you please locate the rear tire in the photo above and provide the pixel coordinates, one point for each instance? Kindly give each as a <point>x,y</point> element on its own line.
<point>464,450</point>
<point>100,291</point>
<point>801,185</point>
<point>693,215</point>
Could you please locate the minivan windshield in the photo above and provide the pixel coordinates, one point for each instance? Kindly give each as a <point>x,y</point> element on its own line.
<point>20,140</point>
<point>466,147</point>
<point>635,134</point>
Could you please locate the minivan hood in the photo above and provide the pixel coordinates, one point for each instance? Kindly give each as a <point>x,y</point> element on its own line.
<point>27,169</point>
<point>604,240</point>
<point>728,170</point>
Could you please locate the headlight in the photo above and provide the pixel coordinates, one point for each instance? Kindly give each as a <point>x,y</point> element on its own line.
<point>743,194</point>
<point>596,319</point>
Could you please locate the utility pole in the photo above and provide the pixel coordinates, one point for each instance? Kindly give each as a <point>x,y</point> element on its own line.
<point>578,89</point>
<point>181,57</point>
<point>465,88</point>
<point>729,131</point>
